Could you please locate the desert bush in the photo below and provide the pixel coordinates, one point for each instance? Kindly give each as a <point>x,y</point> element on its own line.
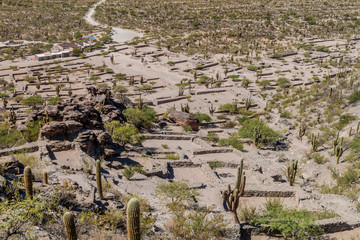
<point>229,107</point>
<point>318,158</point>
<point>33,101</point>
<point>202,117</point>
<point>9,137</point>
<point>129,172</point>
<point>54,100</point>
<point>143,118</point>
<point>176,192</point>
<point>213,137</point>
<point>354,97</point>
<point>268,135</point>
<point>252,68</point>
<point>124,134</point>
<point>216,164</point>
<point>172,156</point>
<point>291,223</point>
<point>233,141</point>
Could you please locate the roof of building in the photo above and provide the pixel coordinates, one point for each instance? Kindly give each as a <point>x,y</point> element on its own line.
<point>90,37</point>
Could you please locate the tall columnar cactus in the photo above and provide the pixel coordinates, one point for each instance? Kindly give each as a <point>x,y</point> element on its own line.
<point>231,197</point>
<point>350,131</point>
<point>45,177</point>
<point>28,183</point>
<point>133,220</point>
<point>69,223</point>
<point>338,152</point>
<point>314,142</point>
<point>211,110</point>
<point>291,172</point>
<point>302,131</point>
<point>336,141</point>
<point>358,128</point>
<point>257,137</point>
<point>248,102</point>
<point>98,179</point>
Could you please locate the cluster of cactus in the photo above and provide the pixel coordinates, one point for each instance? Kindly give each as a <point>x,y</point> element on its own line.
<point>248,102</point>
<point>212,110</point>
<point>302,130</point>
<point>69,223</point>
<point>231,197</point>
<point>338,150</point>
<point>257,137</point>
<point>28,183</point>
<point>291,172</point>
<point>185,108</point>
<point>314,142</point>
<point>98,179</point>
<point>133,220</point>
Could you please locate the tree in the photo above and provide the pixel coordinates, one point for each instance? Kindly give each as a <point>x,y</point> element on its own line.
<point>124,133</point>
<point>140,118</point>
<point>76,52</point>
<point>33,101</point>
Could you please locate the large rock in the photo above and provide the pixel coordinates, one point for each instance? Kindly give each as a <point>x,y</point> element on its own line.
<point>53,129</point>
<point>73,127</point>
<point>11,165</point>
<point>184,119</point>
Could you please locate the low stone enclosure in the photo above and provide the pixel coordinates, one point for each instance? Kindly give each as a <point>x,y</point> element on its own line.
<point>209,181</point>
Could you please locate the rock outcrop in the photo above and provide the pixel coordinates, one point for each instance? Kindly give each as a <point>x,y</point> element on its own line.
<point>184,119</point>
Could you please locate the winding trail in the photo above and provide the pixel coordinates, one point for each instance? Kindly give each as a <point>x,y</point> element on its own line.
<point>120,35</point>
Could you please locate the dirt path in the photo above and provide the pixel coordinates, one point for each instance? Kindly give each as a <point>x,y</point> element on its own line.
<point>120,35</point>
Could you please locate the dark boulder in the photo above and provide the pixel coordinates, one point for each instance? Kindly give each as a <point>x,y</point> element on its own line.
<point>184,119</point>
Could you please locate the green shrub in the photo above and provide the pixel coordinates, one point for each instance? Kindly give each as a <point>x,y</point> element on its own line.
<point>318,158</point>
<point>9,137</point>
<point>229,108</point>
<point>176,192</point>
<point>283,82</point>
<point>277,55</point>
<point>202,117</point>
<point>129,172</point>
<point>213,137</point>
<point>252,68</point>
<point>187,128</point>
<point>120,89</point>
<point>140,118</point>
<point>216,164</point>
<point>268,134</point>
<point>32,130</point>
<point>354,97</point>
<point>355,144</point>
<point>124,134</point>
<point>345,120</point>
<point>233,141</point>
<point>33,101</point>
<point>54,100</point>
<point>291,223</point>
<point>172,156</point>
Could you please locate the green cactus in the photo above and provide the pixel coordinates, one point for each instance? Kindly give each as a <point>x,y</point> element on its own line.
<point>248,102</point>
<point>350,131</point>
<point>45,177</point>
<point>28,183</point>
<point>257,137</point>
<point>336,141</point>
<point>338,152</point>
<point>291,172</point>
<point>69,223</point>
<point>302,131</point>
<point>12,116</point>
<point>314,142</point>
<point>133,220</point>
<point>358,128</point>
<point>231,197</point>
<point>98,179</point>
<point>211,110</point>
